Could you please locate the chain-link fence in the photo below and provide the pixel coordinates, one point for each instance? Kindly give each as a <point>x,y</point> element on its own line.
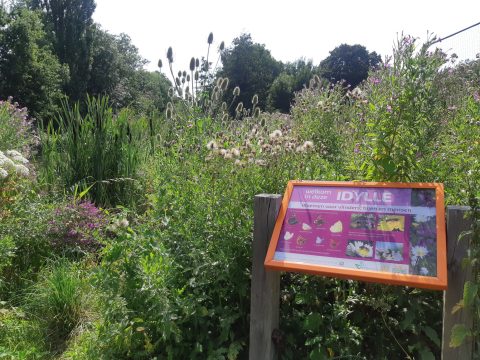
<point>465,43</point>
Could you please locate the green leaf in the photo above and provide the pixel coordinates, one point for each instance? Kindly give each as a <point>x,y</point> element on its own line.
<point>459,333</point>
<point>457,307</point>
<point>432,335</point>
<point>470,291</point>
<point>312,322</point>
<point>426,354</point>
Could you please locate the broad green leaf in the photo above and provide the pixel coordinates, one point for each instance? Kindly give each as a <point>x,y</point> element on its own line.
<point>459,333</point>
<point>432,335</point>
<point>426,354</point>
<point>470,291</point>
<point>457,307</point>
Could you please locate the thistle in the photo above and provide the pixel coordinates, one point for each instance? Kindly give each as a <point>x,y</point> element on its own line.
<point>170,55</point>
<point>224,84</point>
<point>239,107</point>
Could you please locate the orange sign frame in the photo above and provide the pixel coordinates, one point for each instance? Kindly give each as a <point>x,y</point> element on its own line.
<point>438,282</point>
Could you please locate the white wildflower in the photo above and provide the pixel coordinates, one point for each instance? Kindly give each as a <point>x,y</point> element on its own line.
<point>419,251</point>
<point>3,173</point>
<point>308,145</point>
<point>21,170</point>
<point>123,223</point>
<point>276,134</point>
<point>13,153</point>
<point>6,162</point>
<point>19,159</point>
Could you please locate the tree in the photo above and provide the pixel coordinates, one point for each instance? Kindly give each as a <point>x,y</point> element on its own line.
<point>251,67</point>
<point>71,23</point>
<point>29,70</point>
<point>293,78</point>
<point>350,63</point>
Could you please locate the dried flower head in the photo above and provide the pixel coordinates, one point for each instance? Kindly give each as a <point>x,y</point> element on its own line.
<point>255,100</point>
<point>210,38</point>
<point>196,76</point>
<point>192,64</point>
<point>276,134</point>
<point>197,62</point>
<point>222,46</point>
<point>236,91</point>
<point>170,55</point>
<point>256,112</point>
<point>224,84</point>
<point>239,107</point>
<point>212,145</point>
<point>160,63</point>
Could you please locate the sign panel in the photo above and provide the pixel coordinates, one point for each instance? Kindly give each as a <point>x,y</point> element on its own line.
<point>383,232</point>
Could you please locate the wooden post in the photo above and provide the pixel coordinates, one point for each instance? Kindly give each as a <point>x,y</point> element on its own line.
<point>265,288</point>
<point>457,275</point>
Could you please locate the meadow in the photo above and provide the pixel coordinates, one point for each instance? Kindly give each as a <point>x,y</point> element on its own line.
<point>128,236</point>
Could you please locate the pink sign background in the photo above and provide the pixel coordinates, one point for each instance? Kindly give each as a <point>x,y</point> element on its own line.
<point>381,229</point>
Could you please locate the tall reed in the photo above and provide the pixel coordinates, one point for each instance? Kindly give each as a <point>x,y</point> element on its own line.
<point>98,149</point>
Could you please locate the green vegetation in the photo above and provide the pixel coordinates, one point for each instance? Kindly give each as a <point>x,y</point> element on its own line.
<point>126,230</point>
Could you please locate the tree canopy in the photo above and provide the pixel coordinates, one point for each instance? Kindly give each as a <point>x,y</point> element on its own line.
<point>350,63</point>
<point>251,67</point>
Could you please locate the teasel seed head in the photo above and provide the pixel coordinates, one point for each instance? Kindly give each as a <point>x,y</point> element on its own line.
<point>168,113</point>
<point>222,46</point>
<point>225,117</point>
<point>196,75</point>
<point>187,90</point>
<point>224,106</point>
<point>169,105</point>
<point>225,84</point>
<point>160,63</point>
<point>316,78</point>
<point>180,92</point>
<point>177,80</point>
<point>217,95</point>
<point>197,62</point>
<point>256,113</point>
<point>170,55</point>
<point>192,64</point>
<point>210,38</point>
<point>236,91</point>
<point>262,123</point>
<point>183,80</point>
<point>188,78</point>
<point>311,84</point>
<point>184,73</point>
<point>239,107</point>
<point>179,74</point>
<point>219,82</point>
<point>255,100</point>
<point>170,92</point>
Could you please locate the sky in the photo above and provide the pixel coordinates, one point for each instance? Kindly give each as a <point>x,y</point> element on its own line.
<point>289,29</point>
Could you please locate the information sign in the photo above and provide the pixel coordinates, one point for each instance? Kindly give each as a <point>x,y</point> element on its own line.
<point>382,232</point>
